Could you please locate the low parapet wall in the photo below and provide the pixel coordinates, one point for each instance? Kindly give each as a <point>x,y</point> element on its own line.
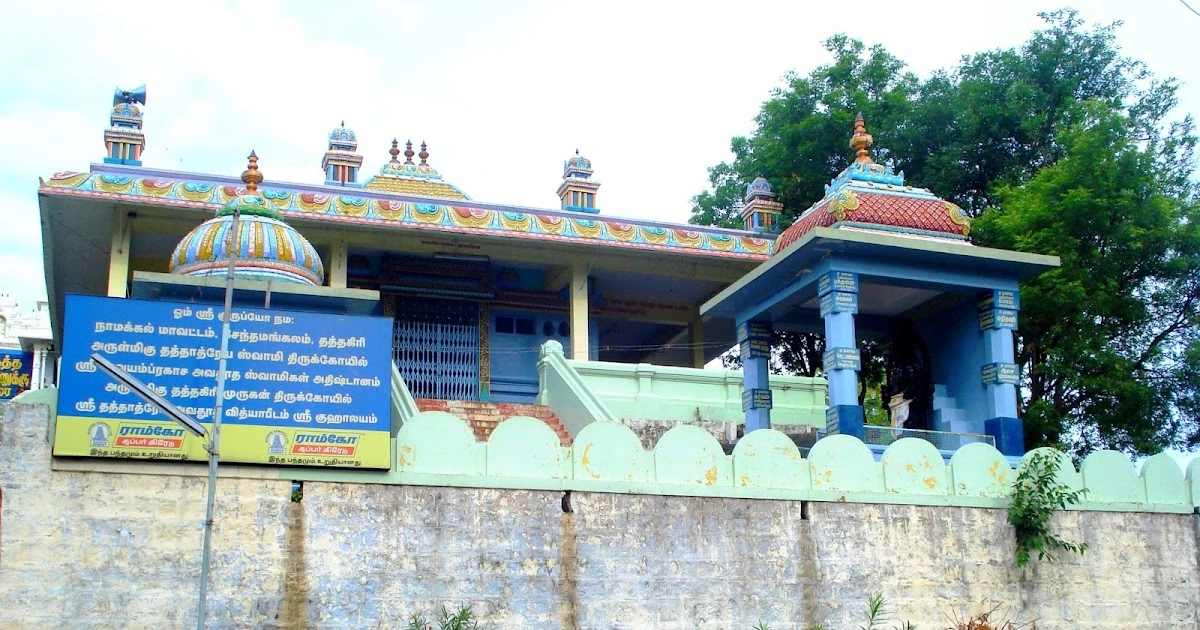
<point>656,392</point>
<point>439,449</point>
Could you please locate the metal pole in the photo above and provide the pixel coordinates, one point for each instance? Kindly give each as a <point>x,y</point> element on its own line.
<point>214,444</point>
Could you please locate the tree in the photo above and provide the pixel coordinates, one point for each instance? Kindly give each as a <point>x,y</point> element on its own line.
<point>802,131</point>
<point>1060,146</point>
<point>1101,336</point>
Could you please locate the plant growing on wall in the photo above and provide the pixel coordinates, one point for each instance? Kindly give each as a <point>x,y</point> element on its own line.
<point>1036,495</point>
<point>463,619</point>
<point>877,612</point>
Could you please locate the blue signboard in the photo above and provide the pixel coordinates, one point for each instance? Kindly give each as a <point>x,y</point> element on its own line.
<point>301,388</point>
<point>841,359</point>
<point>754,340</point>
<point>16,373</point>
<point>837,281</point>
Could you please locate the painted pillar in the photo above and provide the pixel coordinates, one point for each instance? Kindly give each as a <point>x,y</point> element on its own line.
<point>579,311</point>
<point>339,260</point>
<point>838,296</point>
<point>997,319</point>
<point>118,259</point>
<point>754,340</point>
<point>696,338</point>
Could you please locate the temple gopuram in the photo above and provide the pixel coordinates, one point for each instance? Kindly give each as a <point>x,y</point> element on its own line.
<point>370,296</point>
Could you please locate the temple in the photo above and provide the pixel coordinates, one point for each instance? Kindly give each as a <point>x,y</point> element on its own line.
<point>564,313</point>
<point>880,260</point>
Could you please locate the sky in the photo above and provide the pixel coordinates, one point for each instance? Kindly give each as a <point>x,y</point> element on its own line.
<point>502,92</point>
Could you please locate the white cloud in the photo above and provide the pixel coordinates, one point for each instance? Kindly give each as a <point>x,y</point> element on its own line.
<point>502,92</point>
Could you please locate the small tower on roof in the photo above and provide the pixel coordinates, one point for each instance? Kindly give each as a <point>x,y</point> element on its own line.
<point>578,189</point>
<point>761,212</point>
<point>341,161</point>
<point>124,140</point>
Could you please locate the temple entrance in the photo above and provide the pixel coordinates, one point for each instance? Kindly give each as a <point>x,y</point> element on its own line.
<point>435,344</point>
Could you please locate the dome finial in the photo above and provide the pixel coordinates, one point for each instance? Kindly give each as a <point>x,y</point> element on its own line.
<point>408,152</point>
<point>424,154</point>
<point>395,151</point>
<point>861,140</point>
<point>251,177</point>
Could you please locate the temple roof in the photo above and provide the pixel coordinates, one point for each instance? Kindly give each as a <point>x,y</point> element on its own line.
<point>412,179</point>
<point>870,196</point>
<point>386,209</point>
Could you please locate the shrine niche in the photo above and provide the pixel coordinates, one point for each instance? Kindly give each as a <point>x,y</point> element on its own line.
<point>908,389</point>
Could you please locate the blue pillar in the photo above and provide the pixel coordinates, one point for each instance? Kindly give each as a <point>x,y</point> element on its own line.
<point>838,293</point>
<point>997,319</point>
<point>754,339</point>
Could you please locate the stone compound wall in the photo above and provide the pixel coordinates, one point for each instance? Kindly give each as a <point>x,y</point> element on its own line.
<point>106,549</point>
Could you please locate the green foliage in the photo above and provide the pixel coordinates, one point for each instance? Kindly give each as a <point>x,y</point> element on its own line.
<point>877,610</point>
<point>1060,146</point>
<point>1036,495</point>
<point>462,619</point>
<point>1103,337</point>
<point>877,613</point>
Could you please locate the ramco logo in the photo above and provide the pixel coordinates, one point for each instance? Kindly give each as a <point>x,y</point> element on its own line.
<point>153,431</point>
<point>325,444</point>
<point>149,437</point>
<point>326,438</point>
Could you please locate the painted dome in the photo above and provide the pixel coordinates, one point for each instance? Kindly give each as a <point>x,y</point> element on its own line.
<point>873,197</point>
<point>577,166</point>
<point>342,134</point>
<point>758,186</point>
<point>267,248</point>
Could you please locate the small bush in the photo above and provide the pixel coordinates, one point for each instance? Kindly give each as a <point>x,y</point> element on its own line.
<point>1036,495</point>
<point>463,619</point>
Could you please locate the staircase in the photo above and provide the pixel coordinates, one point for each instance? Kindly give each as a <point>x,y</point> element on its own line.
<point>946,414</point>
<point>484,416</point>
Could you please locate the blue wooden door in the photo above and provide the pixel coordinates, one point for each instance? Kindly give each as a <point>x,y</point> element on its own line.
<point>516,340</point>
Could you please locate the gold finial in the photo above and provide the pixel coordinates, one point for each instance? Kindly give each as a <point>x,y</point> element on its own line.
<point>395,151</point>
<point>251,177</point>
<point>424,155</point>
<point>408,152</point>
<point>861,140</point>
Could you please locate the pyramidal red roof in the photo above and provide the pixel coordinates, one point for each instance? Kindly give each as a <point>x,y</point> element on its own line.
<point>872,196</point>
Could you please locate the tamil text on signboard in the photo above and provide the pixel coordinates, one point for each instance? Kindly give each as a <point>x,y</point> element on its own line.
<point>302,389</point>
<point>16,373</point>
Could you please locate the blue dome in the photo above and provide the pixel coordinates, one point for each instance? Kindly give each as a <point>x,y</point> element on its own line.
<point>760,186</point>
<point>342,134</point>
<point>580,163</point>
<point>577,166</point>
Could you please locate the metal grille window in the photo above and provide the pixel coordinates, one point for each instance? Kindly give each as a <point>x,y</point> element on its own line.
<point>435,344</point>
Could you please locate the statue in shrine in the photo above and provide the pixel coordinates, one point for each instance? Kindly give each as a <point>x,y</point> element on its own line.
<point>908,391</point>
